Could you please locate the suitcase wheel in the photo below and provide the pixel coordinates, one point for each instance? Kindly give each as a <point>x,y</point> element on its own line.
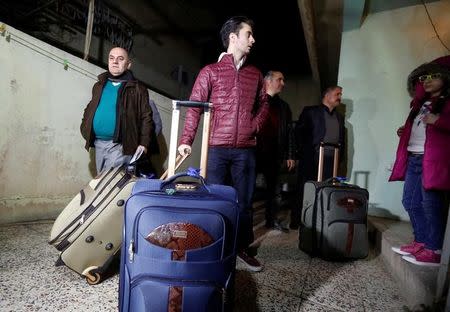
<point>92,277</point>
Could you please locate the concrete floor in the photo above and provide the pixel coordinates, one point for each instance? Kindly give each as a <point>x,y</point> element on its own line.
<point>291,280</point>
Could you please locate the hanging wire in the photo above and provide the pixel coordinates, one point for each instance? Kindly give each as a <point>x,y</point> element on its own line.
<point>432,24</point>
<point>36,48</point>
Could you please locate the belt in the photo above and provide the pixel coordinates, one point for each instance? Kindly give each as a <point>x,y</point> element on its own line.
<point>412,154</point>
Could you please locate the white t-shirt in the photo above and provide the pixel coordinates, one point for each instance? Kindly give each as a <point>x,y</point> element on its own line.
<point>417,140</point>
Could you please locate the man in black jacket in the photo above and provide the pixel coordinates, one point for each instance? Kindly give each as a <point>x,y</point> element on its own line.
<point>316,124</point>
<point>275,148</point>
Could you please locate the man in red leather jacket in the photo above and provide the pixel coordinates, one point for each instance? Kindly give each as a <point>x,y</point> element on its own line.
<point>240,107</point>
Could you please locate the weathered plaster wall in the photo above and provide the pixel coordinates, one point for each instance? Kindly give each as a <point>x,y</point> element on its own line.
<point>44,91</point>
<point>374,64</point>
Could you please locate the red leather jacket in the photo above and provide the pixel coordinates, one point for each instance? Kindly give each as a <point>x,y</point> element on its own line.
<point>240,104</point>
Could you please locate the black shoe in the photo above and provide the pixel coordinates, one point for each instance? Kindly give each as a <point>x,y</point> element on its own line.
<point>249,262</point>
<point>275,225</point>
<point>279,227</point>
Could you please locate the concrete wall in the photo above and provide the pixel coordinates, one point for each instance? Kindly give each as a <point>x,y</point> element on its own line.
<point>300,92</point>
<point>375,61</point>
<point>44,90</point>
<point>153,62</point>
<point>43,162</point>
<point>41,158</point>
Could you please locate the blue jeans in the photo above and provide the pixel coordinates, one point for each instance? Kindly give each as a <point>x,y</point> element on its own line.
<point>236,167</point>
<point>425,207</point>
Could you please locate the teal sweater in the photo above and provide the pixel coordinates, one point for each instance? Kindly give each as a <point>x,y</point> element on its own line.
<point>105,115</point>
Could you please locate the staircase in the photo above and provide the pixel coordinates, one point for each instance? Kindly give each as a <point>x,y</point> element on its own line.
<point>418,283</point>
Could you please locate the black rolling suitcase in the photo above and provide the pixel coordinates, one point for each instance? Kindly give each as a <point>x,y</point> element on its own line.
<point>333,222</point>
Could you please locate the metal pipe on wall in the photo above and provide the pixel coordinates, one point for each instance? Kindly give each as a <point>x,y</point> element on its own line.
<point>306,9</point>
<point>89,27</point>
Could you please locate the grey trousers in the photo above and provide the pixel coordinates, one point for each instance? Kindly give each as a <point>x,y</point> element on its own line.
<point>109,154</point>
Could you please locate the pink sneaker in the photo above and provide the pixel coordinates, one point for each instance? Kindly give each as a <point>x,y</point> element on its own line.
<point>410,249</point>
<point>425,257</point>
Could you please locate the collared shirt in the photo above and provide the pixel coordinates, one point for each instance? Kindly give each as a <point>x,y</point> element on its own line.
<point>331,128</point>
<point>238,65</point>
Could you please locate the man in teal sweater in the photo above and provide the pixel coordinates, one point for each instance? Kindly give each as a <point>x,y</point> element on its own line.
<point>118,119</point>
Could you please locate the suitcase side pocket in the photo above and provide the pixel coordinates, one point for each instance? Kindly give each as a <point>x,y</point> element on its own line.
<point>149,293</point>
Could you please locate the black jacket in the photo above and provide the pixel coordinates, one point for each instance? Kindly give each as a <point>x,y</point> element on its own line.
<point>279,146</point>
<point>134,116</point>
<point>310,131</point>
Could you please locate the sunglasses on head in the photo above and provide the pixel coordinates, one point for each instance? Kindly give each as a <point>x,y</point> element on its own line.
<point>429,77</point>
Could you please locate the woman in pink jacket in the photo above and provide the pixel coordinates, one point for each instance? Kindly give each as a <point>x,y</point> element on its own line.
<point>423,162</point>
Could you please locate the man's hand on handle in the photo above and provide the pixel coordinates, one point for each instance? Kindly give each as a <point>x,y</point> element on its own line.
<point>290,163</point>
<point>144,149</point>
<point>184,149</point>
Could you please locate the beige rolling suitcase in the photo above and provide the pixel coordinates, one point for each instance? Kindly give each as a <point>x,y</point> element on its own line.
<point>88,232</point>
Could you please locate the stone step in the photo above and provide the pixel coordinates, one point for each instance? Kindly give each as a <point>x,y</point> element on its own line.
<point>417,283</point>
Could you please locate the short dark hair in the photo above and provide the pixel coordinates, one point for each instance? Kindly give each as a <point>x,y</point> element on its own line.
<point>329,89</point>
<point>269,74</point>
<point>233,25</point>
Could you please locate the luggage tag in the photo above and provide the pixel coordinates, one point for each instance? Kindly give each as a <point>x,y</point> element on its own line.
<point>192,172</point>
<point>186,186</point>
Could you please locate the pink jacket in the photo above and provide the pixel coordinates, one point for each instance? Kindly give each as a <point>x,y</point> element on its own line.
<point>436,160</point>
<point>240,104</point>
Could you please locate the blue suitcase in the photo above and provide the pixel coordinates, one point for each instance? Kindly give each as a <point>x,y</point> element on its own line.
<point>179,240</point>
<point>179,249</point>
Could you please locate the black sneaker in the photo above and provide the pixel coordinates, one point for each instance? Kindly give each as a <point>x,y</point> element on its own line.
<point>276,226</point>
<point>250,263</point>
<point>279,227</point>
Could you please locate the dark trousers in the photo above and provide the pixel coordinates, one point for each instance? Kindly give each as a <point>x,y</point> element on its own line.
<point>236,165</point>
<point>270,169</point>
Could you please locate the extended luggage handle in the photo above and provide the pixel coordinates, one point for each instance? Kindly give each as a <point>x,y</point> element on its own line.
<point>174,134</point>
<point>178,161</point>
<point>321,158</point>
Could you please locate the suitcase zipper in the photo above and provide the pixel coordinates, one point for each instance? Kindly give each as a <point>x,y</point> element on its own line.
<point>78,220</point>
<point>85,215</point>
<point>172,281</point>
<point>101,181</point>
